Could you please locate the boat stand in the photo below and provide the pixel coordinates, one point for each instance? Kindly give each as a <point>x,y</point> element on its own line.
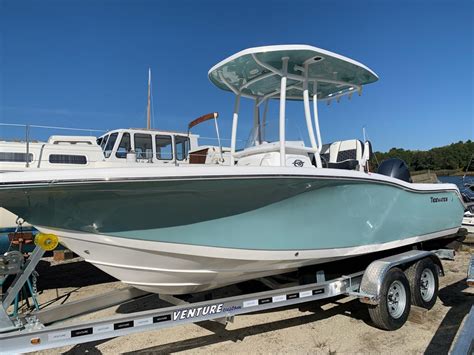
<point>33,333</point>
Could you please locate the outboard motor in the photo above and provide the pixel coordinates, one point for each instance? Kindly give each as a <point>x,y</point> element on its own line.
<point>395,168</point>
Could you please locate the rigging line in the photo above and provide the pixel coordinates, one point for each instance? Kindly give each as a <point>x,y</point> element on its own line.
<point>52,127</point>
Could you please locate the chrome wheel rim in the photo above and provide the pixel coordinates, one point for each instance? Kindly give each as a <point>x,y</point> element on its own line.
<point>427,285</point>
<point>396,299</point>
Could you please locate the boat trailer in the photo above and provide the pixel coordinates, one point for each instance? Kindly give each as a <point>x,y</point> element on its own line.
<point>33,332</point>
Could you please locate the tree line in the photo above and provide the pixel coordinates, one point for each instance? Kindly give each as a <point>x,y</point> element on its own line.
<point>455,156</point>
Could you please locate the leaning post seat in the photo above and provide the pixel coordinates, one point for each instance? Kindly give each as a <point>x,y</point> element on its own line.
<point>266,153</point>
<point>324,154</point>
<point>368,153</point>
<point>346,155</point>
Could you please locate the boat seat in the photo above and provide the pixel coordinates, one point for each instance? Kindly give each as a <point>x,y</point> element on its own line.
<point>324,154</point>
<point>349,164</point>
<point>345,154</point>
<point>368,152</point>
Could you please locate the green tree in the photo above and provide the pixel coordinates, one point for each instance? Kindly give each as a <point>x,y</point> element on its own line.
<point>456,156</point>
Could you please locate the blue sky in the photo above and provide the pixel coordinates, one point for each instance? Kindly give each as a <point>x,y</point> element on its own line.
<point>84,63</point>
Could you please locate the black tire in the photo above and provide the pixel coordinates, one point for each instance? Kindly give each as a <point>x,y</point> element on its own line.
<point>382,314</point>
<point>424,282</point>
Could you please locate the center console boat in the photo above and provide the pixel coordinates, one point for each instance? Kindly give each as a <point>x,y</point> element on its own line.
<point>274,207</point>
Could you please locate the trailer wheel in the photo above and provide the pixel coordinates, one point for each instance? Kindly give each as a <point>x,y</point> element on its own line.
<point>424,283</point>
<point>394,306</point>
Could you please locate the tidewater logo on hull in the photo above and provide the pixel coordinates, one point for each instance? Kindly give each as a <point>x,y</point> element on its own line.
<point>438,199</point>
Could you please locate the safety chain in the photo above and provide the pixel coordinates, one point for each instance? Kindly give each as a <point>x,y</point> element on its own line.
<point>34,281</point>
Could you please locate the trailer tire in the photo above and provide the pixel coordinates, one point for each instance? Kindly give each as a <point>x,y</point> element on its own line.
<point>393,308</point>
<point>424,283</point>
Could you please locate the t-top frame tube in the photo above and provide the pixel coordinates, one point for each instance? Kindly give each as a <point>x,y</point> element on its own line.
<point>282,109</point>
<point>235,120</point>
<point>316,115</point>
<point>307,113</point>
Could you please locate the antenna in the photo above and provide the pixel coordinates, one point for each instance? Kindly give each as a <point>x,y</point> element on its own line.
<point>148,121</point>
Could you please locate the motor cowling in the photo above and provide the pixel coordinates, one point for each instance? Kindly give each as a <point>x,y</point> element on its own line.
<point>395,168</point>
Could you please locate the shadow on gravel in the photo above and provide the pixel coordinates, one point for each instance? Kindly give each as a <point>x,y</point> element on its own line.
<point>74,274</point>
<point>353,308</point>
<point>460,303</point>
<point>141,304</point>
<point>87,348</point>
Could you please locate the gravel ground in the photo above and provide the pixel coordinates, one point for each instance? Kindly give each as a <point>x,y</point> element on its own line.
<point>338,326</point>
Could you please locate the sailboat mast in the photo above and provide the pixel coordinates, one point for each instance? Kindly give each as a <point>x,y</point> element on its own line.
<point>148,121</point>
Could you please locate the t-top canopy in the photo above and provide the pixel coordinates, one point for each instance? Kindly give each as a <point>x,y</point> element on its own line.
<point>256,72</point>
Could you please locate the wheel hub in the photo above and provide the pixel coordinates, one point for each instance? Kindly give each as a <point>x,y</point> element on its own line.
<point>427,285</point>
<point>396,299</point>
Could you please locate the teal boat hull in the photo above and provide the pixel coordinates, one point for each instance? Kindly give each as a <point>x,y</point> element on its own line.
<point>180,236</point>
<point>265,214</point>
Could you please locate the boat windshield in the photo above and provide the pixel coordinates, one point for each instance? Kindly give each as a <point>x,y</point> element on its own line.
<point>269,132</point>
<point>103,141</point>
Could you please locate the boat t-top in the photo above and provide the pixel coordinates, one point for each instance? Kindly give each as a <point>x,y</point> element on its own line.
<point>274,207</point>
<point>292,72</point>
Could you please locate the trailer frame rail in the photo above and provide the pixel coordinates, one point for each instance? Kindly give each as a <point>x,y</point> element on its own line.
<point>36,337</point>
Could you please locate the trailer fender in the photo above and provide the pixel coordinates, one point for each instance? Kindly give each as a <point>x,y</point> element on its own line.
<point>370,287</point>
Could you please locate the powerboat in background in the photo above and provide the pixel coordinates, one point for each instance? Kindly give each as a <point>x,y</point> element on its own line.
<point>274,208</point>
<point>467,185</point>
<point>468,195</point>
<point>468,218</point>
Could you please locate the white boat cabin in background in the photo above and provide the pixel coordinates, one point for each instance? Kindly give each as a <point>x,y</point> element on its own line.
<point>121,147</point>
<point>147,146</point>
